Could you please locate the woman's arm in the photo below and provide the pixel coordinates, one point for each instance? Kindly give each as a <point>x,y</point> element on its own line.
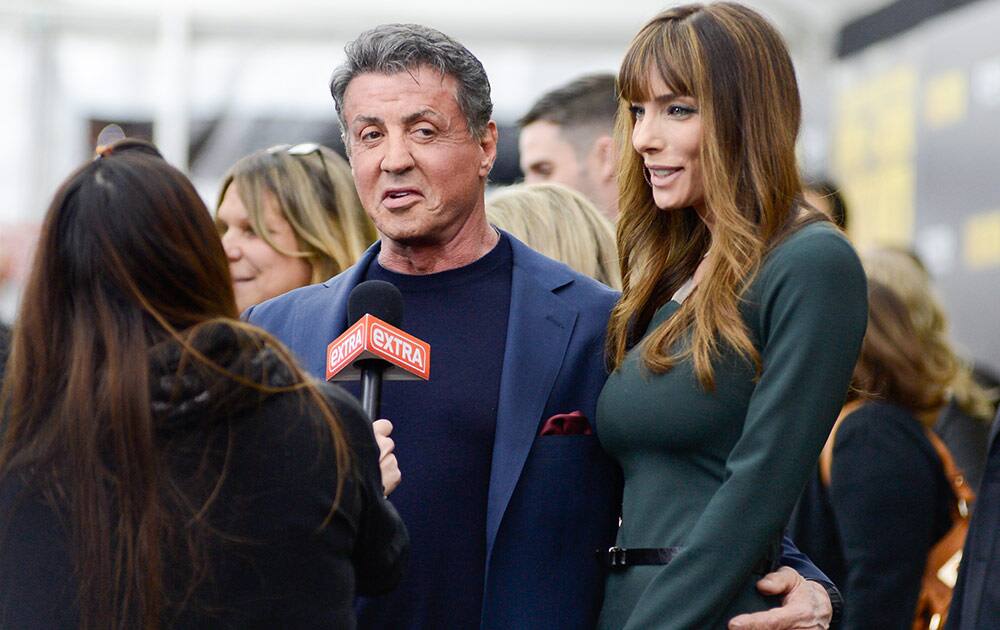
<point>811,320</point>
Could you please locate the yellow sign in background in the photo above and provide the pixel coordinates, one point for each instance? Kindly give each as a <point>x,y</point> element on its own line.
<point>982,240</point>
<point>875,151</point>
<point>875,141</point>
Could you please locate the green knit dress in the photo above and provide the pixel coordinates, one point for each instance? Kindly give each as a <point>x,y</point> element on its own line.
<point>716,474</point>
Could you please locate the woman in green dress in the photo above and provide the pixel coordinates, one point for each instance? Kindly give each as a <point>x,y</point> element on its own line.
<point>741,317</point>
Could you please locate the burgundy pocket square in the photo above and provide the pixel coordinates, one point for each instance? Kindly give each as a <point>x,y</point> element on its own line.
<point>573,423</point>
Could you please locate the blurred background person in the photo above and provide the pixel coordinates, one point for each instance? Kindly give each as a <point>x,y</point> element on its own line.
<point>163,463</point>
<point>4,328</point>
<point>560,223</point>
<point>964,420</point>
<point>976,598</point>
<point>4,348</point>
<point>825,196</point>
<point>881,500</point>
<point>566,139</point>
<point>289,216</point>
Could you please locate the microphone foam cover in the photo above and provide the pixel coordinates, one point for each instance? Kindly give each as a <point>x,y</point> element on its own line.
<point>378,298</point>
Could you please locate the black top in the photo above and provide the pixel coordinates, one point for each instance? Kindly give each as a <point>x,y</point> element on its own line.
<point>966,438</point>
<point>887,504</point>
<point>272,564</point>
<point>976,599</point>
<point>443,430</point>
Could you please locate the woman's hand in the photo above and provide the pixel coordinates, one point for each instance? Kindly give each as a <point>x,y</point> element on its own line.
<point>386,458</point>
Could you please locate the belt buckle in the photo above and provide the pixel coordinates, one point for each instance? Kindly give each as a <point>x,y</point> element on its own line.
<point>616,557</point>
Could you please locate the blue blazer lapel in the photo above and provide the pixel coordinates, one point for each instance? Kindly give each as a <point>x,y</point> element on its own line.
<point>539,329</point>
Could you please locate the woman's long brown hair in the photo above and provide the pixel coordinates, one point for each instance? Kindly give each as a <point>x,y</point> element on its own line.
<point>901,270</point>
<point>895,363</point>
<point>737,68</point>
<point>128,257</point>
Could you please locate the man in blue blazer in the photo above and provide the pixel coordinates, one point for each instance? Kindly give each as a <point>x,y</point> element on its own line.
<point>552,500</point>
<point>976,600</point>
<point>505,505</point>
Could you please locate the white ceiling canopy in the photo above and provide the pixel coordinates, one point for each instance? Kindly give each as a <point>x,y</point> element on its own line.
<point>599,21</point>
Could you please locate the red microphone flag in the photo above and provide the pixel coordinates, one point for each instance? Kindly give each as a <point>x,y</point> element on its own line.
<point>372,338</point>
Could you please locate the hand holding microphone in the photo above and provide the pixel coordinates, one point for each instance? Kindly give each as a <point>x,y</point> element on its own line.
<point>391,475</point>
<point>371,349</point>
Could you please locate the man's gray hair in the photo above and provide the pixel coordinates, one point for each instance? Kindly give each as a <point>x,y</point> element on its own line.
<point>394,48</point>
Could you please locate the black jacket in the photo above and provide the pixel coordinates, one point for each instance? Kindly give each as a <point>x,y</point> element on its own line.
<point>975,603</point>
<point>967,439</point>
<point>4,348</point>
<point>886,506</point>
<point>271,562</point>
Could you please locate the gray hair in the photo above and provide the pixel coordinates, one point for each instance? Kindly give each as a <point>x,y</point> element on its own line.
<point>394,48</point>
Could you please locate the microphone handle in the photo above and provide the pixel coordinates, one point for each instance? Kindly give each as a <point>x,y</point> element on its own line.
<point>371,390</point>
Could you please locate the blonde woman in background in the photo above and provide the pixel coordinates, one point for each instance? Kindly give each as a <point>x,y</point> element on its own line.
<point>289,216</point>
<point>560,223</point>
<point>964,421</point>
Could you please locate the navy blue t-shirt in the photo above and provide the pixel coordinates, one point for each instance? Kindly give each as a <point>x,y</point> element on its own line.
<point>443,430</point>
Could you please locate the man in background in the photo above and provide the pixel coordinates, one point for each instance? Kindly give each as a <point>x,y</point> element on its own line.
<point>976,599</point>
<point>566,139</point>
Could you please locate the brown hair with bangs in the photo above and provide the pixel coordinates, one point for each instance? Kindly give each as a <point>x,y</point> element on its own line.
<point>737,68</point>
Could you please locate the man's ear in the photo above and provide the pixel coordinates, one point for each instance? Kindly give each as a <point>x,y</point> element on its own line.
<point>604,153</point>
<point>488,144</point>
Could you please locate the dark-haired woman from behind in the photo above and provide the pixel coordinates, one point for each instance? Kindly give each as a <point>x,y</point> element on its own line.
<point>163,464</point>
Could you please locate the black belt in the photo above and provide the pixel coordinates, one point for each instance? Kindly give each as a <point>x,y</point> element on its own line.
<point>618,557</point>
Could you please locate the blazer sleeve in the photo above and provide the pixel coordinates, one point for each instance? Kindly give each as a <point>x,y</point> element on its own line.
<point>793,558</point>
<point>883,489</point>
<point>811,317</point>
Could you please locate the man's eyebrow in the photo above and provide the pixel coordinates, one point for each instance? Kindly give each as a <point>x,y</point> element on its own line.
<point>424,113</point>
<point>367,120</point>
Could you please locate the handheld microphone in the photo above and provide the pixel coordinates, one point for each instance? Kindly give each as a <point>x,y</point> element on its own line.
<point>373,347</point>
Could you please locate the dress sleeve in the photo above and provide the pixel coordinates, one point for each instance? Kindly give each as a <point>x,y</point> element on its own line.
<point>810,317</point>
<point>883,489</point>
